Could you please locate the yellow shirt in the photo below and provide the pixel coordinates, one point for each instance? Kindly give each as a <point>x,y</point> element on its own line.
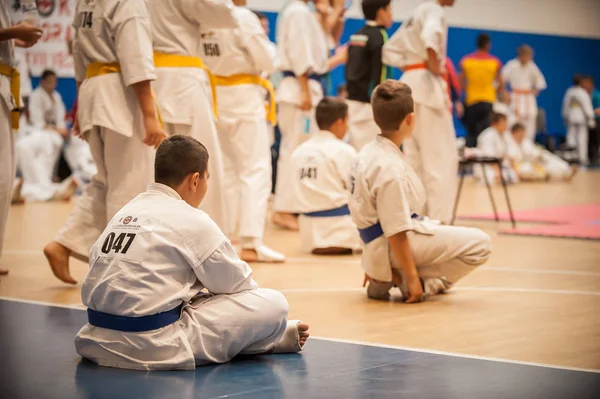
<point>480,70</point>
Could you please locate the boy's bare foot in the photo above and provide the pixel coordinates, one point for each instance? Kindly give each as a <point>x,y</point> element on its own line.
<point>58,259</point>
<point>574,170</point>
<point>286,221</point>
<point>16,196</point>
<point>293,340</point>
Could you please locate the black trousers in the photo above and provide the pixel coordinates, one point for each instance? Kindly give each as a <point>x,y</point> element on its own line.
<point>593,144</point>
<point>476,120</point>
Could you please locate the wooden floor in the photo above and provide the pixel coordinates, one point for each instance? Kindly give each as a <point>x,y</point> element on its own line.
<point>537,299</point>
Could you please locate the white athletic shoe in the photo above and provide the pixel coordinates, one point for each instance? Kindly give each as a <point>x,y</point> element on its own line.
<point>266,254</point>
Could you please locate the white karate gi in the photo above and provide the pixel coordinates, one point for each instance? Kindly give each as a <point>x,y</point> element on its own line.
<point>167,254</point>
<point>79,158</point>
<point>524,81</point>
<point>321,172</point>
<point>535,163</point>
<point>7,139</point>
<point>110,31</point>
<point>302,49</point>
<point>578,113</point>
<point>184,95</point>
<point>24,72</point>
<point>361,125</point>
<point>385,189</point>
<point>431,151</point>
<point>39,146</point>
<point>492,143</point>
<point>242,125</point>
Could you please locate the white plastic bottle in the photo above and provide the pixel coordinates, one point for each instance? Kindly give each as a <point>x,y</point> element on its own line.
<point>30,12</point>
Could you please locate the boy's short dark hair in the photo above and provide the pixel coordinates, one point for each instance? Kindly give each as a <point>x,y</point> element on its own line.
<point>177,157</point>
<point>341,88</point>
<point>47,73</point>
<point>392,102</point>
<point>371,7</point>
<point>330,110</point>
<point>516,127</point>
<point>483,40</point>
<point>496,117</point>
<point>577,79</point>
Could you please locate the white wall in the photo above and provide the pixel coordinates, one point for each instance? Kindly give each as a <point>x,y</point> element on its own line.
<point>579,18</point>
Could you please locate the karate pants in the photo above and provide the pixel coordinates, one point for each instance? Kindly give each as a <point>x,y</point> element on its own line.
<point>296,126</point>
<point>223,326</point>
<point>7,167</point>
<point>204,130</point>
<point>432,153</point>
<point>125,168</point>
<point>361,126</point>
<point>577,137</point>
<point>451,252</point>
<point>530,123</point>
<point>328,232</point>
<point>247,174</point>
<point>37,155</point>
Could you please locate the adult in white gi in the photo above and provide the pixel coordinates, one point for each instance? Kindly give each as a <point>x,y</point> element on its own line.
<point>151,268</point>
<point>419,49</point>
<point>578,114</point>
<point>38,148</point>
<point>25,35</point>
<point>238,58</point>
<point>112,52</point>
<point>386,193</point>
<point>184,89</point>
<point>303,52</point>
<point>321,170</point>
<point>531,162</point>
<point>526,81</point>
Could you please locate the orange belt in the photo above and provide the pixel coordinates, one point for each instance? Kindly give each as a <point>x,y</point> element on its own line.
<point>422,65</point>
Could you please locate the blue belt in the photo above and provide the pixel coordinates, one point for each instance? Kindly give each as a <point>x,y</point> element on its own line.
<point>133,324</point>
<point>312,76</point>
<point>341,211</point>
<point>375,231</point>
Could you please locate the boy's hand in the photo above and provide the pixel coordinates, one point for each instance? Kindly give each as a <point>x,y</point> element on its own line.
<point>27,34</point>
<point>415,290</point>
<point>305,101</point>
<point>155,134</point>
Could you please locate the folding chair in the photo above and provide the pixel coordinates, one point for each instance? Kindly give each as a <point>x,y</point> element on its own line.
<point>462,167</point>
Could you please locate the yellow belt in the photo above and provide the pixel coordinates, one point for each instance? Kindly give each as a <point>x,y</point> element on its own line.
<point>15,90</point>
<point>98,69</point>
<point>162,60</point>
<point>244,79</point>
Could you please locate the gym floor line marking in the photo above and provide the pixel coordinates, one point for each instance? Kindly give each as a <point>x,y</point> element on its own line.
<point>372,344</point>
<point>491,289</point>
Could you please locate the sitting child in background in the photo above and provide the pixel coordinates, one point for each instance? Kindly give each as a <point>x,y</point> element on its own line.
<point>492,142</point>
<point>322,168</point>
<point>401,248</point>
<point>532,162</point>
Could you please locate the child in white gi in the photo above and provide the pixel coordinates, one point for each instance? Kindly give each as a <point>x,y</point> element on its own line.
<point>149,270</point>
<point>419,49</point>
<point>493,143</point>
<point>116,114</point>
<point>400,247</point>
<point>578,114</point>
<point>321,184</point>
<point>526,81</point>
<point>532,162</point>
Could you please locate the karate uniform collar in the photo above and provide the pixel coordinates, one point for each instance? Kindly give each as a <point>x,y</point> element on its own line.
<point>326,134</point>
<point>388,143</point>
<point>163,189</point>
<point>374,24</point>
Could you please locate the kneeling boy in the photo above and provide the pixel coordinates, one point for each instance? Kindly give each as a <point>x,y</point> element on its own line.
<point>400,247</point>
<point>146,308</point>
<point>321,172</point>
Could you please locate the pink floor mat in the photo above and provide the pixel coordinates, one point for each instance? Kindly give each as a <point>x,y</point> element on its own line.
<point>572,214</point>
<point>573,221</point>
